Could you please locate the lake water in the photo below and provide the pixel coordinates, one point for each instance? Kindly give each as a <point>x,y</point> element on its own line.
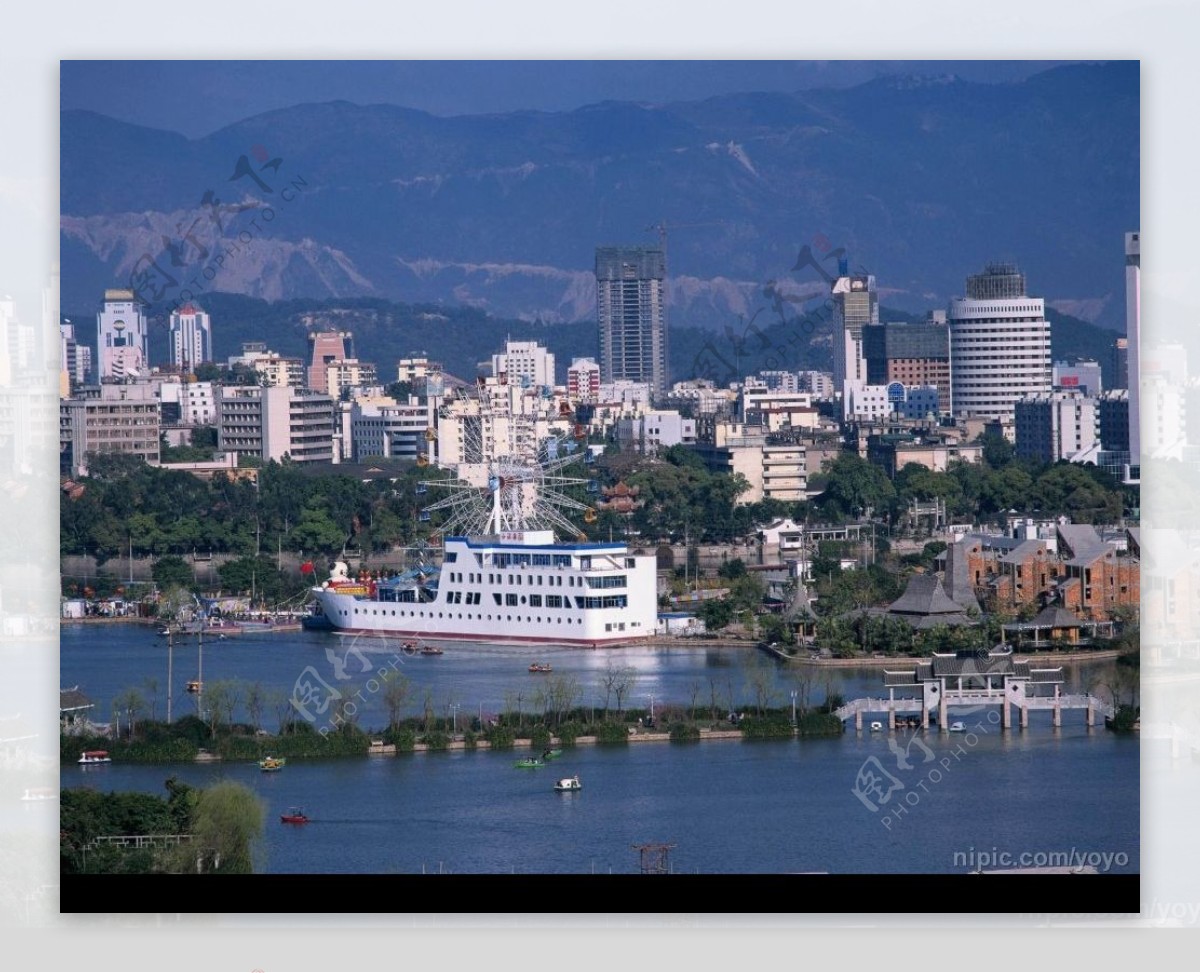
<point>728,806</point>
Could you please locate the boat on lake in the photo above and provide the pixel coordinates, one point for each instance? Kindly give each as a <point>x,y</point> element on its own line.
<point>431,650</point>
<point>194,685</point>
<point>529,763</point>
<point>568,784</point>
<point>551,754</point>
<point>95,757</point>
<point>295,815</point>
<point>957,727</point>
<point>272,763</point>
<point>540,667</point>
<point>876,726</point>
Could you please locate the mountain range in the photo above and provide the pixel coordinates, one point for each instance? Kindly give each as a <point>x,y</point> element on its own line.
<point>918,180</point>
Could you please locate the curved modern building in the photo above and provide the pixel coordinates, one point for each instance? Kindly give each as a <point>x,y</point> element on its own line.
<point>999,344</point>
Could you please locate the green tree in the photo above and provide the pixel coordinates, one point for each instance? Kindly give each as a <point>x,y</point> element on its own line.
<point>172,570</point>
<point>228,823</point>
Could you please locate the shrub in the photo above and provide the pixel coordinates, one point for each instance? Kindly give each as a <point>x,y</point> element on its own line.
<point>402,738</point>
<point>612,734</point>
<point>684,733</point>
<point>470,740</point>
<point>820,724</point>
<point>540,737</point>
<point>436,740</point>
<point>765,728</point>
<point>568,733</point>
<point>500,737</point>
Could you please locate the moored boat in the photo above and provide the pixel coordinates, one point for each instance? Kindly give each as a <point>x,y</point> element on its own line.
<point>541,667</point>
<point>272,763</point>
<point>194,685</point>
<point>95,757</point>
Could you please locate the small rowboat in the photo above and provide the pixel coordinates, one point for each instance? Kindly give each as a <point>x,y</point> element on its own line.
<point>540,667</point>
<point>272,763</point>
<point>568,784</point>
<point>529,763</point>
<point>295,815</point>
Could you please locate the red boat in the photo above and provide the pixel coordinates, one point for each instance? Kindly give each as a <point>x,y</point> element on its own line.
<point>295,815</point>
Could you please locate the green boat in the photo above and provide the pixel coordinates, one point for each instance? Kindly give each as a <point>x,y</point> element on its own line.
<point>529,763</point>
<point>551,754</point>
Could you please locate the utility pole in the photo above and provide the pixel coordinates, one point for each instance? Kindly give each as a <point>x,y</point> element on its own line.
<point>170,676</point>
<point>200,670</point>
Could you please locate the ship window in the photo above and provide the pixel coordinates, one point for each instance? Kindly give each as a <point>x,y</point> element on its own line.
<point>496,598</point>
<point>508,618</point>
<point>451,556</point>
<point>510,599</point>
<point>535,601</point>
<point>522,599</point>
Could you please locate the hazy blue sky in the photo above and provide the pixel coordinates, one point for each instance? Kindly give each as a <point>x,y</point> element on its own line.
<point>198,97</point>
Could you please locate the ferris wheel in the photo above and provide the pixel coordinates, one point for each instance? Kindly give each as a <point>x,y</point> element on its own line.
<point>519,487</point>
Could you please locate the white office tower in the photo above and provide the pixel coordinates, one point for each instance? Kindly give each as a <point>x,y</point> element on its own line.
<point>855,305</point>
<point>191,337</point>
<point>1133,335</point>
<point>526,363</point>
<point>121,336</point>
<point>999,344</point>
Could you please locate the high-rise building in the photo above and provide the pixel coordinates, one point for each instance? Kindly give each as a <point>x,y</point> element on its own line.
<point>325,347</point>
<point>190,336</point>
<point>999,344</point>
<point>855,306</point>
<point>121,333</point>
<point>1133,337</point>
<point>912,353</point>
<point>525,363</point>
<point>1120,363</point>
<point>631,307</point>
<point>583,381</point>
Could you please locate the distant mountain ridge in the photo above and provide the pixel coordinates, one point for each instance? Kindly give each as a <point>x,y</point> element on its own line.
<point>920,181</point>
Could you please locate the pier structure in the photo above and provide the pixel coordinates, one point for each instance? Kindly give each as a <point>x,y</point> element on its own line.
<point>973,678</point>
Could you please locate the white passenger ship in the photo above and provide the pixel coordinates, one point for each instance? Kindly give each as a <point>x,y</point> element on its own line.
<point>516,587</point>
<point>504,579</point>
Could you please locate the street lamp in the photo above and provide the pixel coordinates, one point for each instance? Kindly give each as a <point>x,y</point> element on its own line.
<point>793,707</point>
<point>453,718</point>
<point>651,698</point>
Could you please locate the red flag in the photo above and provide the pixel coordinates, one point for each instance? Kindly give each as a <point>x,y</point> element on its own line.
<point>306,567</point>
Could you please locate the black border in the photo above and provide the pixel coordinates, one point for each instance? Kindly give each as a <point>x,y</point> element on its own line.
<point>1028,895</point>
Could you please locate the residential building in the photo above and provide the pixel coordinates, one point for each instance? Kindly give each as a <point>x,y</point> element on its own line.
<point>121,336</point>
<point>342,375</point>
<point>819,384</point>
<point>396,430</point>
<point>1164,422</point>
<point>652,432</point>
<point>190,337</point>
<point>1120,363</point>
<point>110,419</point>
<point>583,381</point>
<point>75,359</point>
<point>274,368</point>
<point>774,469</point>
<point>526,363</point>
<point>275,422</point>
<point>999,344</point>
<point>631,308</point>
<point>1054,426</point>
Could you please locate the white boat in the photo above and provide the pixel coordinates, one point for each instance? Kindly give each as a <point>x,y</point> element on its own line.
<point>876,727</point>
<point>95,757</point>
<point>568,784</point>
<point>957,727</point>
<point>504,578</point>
